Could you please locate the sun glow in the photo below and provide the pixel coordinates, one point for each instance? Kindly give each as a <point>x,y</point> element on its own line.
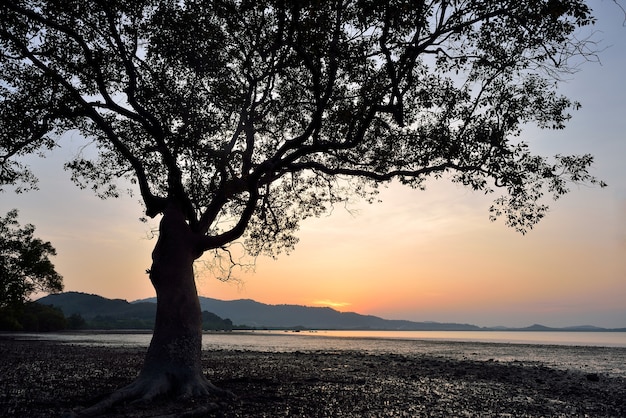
<point>331,304</point>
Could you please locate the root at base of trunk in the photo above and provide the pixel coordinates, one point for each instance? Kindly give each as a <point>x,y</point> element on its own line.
<point>147,389</point>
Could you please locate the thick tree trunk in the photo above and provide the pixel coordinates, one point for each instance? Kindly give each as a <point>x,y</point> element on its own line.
<point>173,362</point>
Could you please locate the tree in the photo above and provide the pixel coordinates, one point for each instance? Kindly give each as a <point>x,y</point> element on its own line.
<point>76,321</point>
<point>42,318</point>
<point>25,268</point>
<point>237,119</point>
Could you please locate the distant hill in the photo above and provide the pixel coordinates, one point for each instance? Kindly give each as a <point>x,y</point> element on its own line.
<point>89,306</point>
<point>259,315</point>
<point>244,312</point>
<point>103,313</point>
<point>249,313</point>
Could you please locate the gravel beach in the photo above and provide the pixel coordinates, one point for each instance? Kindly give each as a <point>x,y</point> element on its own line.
<point>50,379</point>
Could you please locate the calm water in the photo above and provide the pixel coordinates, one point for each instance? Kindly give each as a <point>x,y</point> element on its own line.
<point>591,352</point>
<point>346,340</point>
<point>607,339</point>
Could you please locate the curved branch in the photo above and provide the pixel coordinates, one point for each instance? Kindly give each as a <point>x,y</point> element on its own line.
<point>154,204</point>
<point>209,242</point>
<point>380,177</point>
<point>91,61</point>
<point>152,125</point>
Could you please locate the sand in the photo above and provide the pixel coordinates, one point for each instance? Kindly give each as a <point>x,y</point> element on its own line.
<point>50,379</point>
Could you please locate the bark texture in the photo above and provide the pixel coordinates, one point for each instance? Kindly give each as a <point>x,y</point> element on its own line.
<point>174,354</point>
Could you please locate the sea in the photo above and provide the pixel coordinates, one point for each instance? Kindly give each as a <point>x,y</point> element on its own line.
<point>389,341</point>
<point>601,353</point>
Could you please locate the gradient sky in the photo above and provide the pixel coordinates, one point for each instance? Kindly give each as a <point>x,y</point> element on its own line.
<point>423,256</point>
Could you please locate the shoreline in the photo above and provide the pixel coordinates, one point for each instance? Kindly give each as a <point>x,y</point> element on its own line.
<point>604,360</point>
<point>45,378</point>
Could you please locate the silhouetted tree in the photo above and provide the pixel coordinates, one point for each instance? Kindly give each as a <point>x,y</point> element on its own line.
<point>42,318</point>
<point>25,268</point>
<point>236,119</point>
<point>76,321</point>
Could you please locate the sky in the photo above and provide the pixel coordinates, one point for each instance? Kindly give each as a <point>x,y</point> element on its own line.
<point>419,255</point>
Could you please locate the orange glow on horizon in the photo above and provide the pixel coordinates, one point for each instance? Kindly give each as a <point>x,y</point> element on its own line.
<point>331,304</point>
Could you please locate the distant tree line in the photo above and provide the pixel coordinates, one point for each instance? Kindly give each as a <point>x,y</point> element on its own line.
<point>210,322</point>
<point>33,317</point>
<point>37,317</point>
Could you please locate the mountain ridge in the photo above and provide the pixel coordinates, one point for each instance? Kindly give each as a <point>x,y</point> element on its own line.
<point>248,313</point>
<point>255,314</point>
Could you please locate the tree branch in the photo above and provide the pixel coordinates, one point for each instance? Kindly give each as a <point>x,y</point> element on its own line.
<point>379,177</point>
<point>154,205</point>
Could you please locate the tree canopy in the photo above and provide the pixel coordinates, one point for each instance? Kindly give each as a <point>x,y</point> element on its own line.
<point>252,115</point>
<point>237,119</point>
<point>25,265</point>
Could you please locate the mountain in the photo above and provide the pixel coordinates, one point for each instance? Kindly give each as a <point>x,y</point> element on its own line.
<point>259,315</point>
<point>243,312</point>
<point>102,313</point>
<point>90,306</point>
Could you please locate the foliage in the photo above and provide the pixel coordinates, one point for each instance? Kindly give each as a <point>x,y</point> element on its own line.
<point>25,265</point>
<point>212,322</point>
<point>250,116</point>
<point>42,318</point>
<point>76,321</point>
<point>118,322</point>
<point>9,320</point>
<point>32,317</point>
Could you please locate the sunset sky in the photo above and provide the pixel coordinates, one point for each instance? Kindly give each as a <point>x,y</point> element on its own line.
<point>420,255</point>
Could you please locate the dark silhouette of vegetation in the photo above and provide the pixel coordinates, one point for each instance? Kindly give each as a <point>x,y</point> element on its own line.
<point>235,119</point>
<point>87,311</point>
<point>33,317</point>
<point>212,322</point>
<point>76,321</point>
<point>42,318</point>
<point>111,322</point>
<point>25,268</point>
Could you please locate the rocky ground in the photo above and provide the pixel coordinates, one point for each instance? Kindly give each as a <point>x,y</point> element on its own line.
<point>47,379</point>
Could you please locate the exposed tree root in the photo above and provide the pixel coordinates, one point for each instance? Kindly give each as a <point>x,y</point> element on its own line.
<point>147,389</point>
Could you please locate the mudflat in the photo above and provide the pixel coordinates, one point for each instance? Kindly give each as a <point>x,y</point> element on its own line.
<point>51,379</point>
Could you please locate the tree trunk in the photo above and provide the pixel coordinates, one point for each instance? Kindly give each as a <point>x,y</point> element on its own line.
<point>173,362</point>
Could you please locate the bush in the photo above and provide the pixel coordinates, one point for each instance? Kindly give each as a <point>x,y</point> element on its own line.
<point>8,320</point>
<point>42,318</point>
<point>76,321</point>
